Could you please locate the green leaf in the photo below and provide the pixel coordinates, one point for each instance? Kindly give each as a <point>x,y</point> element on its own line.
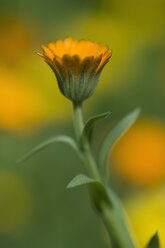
<point>113,136</point>
<point>154,241</point>
<point>61,138</point>
<point>88,128</point>
<point>98,190</point>
<point>80,180</point>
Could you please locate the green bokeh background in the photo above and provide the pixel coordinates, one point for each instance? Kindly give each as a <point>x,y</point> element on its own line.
<point>36,210</point>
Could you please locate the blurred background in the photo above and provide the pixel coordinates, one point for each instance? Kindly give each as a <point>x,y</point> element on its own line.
<point>36,210</point>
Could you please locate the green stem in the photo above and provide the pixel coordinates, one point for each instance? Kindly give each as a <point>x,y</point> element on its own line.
<point>116,222</point>
<point>78,120</point>
<point>113,216</point>
<point>88,157</point>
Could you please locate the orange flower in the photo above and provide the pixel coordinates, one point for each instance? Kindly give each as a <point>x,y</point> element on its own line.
<point>77,65</point>
<point>139,154</point>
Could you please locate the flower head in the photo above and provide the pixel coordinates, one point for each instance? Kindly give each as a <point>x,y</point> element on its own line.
<point>77,65</point>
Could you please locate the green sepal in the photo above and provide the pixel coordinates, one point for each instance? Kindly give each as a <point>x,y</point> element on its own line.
<point>90,84</point>
<point>154,241</point>
<point>112,136</point>
<point>88,127</point>
<point>93,81</point>
<point>60,138</point>
<point>98,190</point>
<point>72,85</point>
<point>63,83</point>
<point>81,83</point>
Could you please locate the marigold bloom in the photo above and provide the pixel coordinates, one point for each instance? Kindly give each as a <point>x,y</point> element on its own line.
<point>77,65</point>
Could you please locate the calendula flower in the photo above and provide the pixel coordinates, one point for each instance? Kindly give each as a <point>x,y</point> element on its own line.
<point>77,66</point>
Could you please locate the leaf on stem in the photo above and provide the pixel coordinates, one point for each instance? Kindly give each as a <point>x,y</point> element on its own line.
<point>88,128</point>
<point>80,180</point>
<point>154,241</point>
<point>60,138</point>
<point>98,190</point>
<point>112,136</point>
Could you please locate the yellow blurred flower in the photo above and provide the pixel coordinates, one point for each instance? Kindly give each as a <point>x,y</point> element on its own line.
<point>147,215</point>
<point>77,66</point>
<point>16,203</point>
<point>139,155</point>
<point>20,105</point>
